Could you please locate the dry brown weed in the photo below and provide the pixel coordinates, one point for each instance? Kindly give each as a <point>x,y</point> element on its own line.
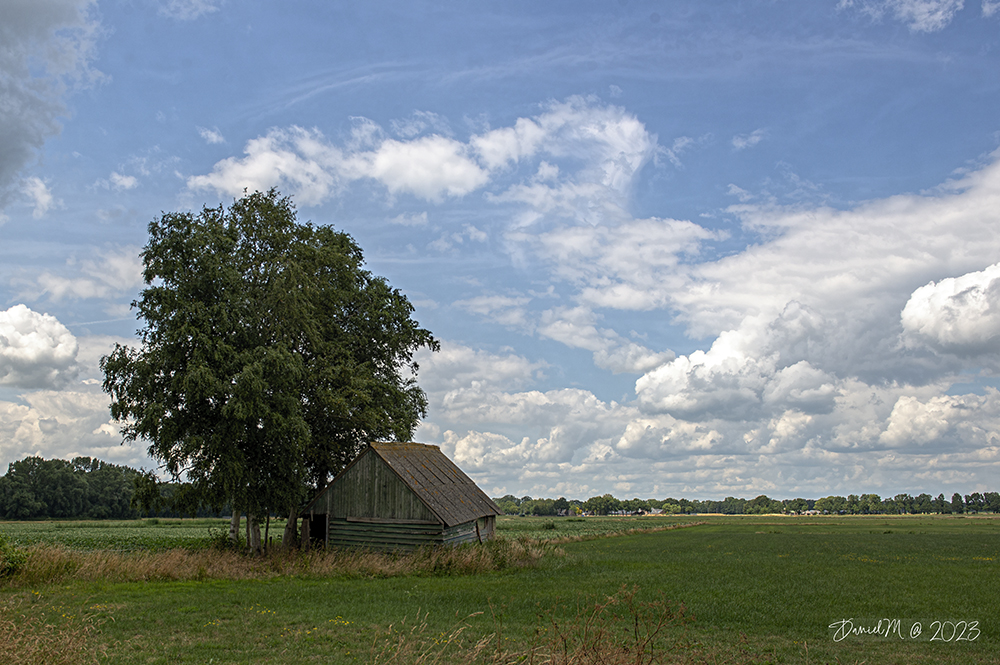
<point>48,564</point>
<point>29,639</point>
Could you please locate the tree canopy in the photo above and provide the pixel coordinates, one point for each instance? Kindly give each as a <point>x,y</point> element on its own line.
<point>38,488</point>
<point>268,354</point>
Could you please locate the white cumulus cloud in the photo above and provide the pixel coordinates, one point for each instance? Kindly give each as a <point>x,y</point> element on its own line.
<point>36,351</point>
<point>957,314</point>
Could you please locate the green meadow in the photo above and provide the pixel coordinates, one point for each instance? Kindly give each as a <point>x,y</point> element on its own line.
<point>753,589</point>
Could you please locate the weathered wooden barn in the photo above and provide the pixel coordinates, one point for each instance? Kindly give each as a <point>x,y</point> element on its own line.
<point>400,496</point>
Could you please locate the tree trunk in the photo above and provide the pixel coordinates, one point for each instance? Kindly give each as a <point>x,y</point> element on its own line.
<point>306,540</point>
<point>267,531</point>
<point>253,534</point>
<point>234,527</point>
<point>290,538</point>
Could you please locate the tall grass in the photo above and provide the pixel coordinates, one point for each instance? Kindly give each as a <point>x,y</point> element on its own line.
<point>49,564</point>
<point>29,639</point>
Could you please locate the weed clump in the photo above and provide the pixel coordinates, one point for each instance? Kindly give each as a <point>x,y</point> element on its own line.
<point>12,557</point>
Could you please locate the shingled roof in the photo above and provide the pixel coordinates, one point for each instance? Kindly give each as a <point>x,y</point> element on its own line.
<point>450,494</point>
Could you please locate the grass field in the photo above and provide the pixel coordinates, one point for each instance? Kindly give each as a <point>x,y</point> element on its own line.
<point>760,589</point>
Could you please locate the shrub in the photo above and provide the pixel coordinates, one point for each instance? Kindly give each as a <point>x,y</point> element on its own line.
<point>12,557</point>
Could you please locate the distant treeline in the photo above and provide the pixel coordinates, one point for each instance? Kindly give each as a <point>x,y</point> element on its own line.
<point>85,488</point>
<point>853,504</point>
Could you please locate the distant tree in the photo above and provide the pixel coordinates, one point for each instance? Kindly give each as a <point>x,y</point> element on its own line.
<point>18,497</point>
<point>901,504</point>
<point>146,496</point>
<point>509,504</point>
<point>36,488</point>
<point>957,505</point>
<point>871,504</point>
<point>761,505</point>
<point>974,502</point>
<point>602,505</point>
<point>795,505</point>
<point>268,356</point>
<point>732,506</point>
<point>538,507</point>
<point>831,504</point>
<point>924,503</point>
<point>992,500</point>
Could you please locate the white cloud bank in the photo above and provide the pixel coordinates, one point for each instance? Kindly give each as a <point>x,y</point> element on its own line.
<point>833,342</point>
<point>60,409</point>
<point>832,339</point>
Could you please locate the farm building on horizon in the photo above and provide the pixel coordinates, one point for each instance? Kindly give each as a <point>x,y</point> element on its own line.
<point>400,496</point>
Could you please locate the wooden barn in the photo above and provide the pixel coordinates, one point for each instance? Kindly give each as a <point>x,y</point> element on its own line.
<point>400,496</point>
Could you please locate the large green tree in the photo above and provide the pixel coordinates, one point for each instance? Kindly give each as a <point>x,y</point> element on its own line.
<point>268,354</point>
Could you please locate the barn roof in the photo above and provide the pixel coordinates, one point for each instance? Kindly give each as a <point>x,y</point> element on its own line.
<point>447,491</point>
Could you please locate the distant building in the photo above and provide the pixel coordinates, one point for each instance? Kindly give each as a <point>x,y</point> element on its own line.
<point>400,496</point>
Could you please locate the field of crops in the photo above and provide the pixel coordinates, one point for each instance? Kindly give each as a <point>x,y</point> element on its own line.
<point>126,536</point>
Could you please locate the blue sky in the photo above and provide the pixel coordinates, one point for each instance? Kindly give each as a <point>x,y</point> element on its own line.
<point>669,249</point>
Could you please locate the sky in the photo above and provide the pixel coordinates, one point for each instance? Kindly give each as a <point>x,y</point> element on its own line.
<point>677,249</point>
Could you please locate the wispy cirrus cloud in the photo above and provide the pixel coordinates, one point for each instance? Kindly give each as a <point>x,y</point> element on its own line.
<point>211,136</point>
<point>919,15</point>
<point>744,141</point>
<point>188,10</point>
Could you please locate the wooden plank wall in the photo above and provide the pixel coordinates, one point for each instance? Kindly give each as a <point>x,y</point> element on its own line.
<point>371,489</point>
<point>383,536</point>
